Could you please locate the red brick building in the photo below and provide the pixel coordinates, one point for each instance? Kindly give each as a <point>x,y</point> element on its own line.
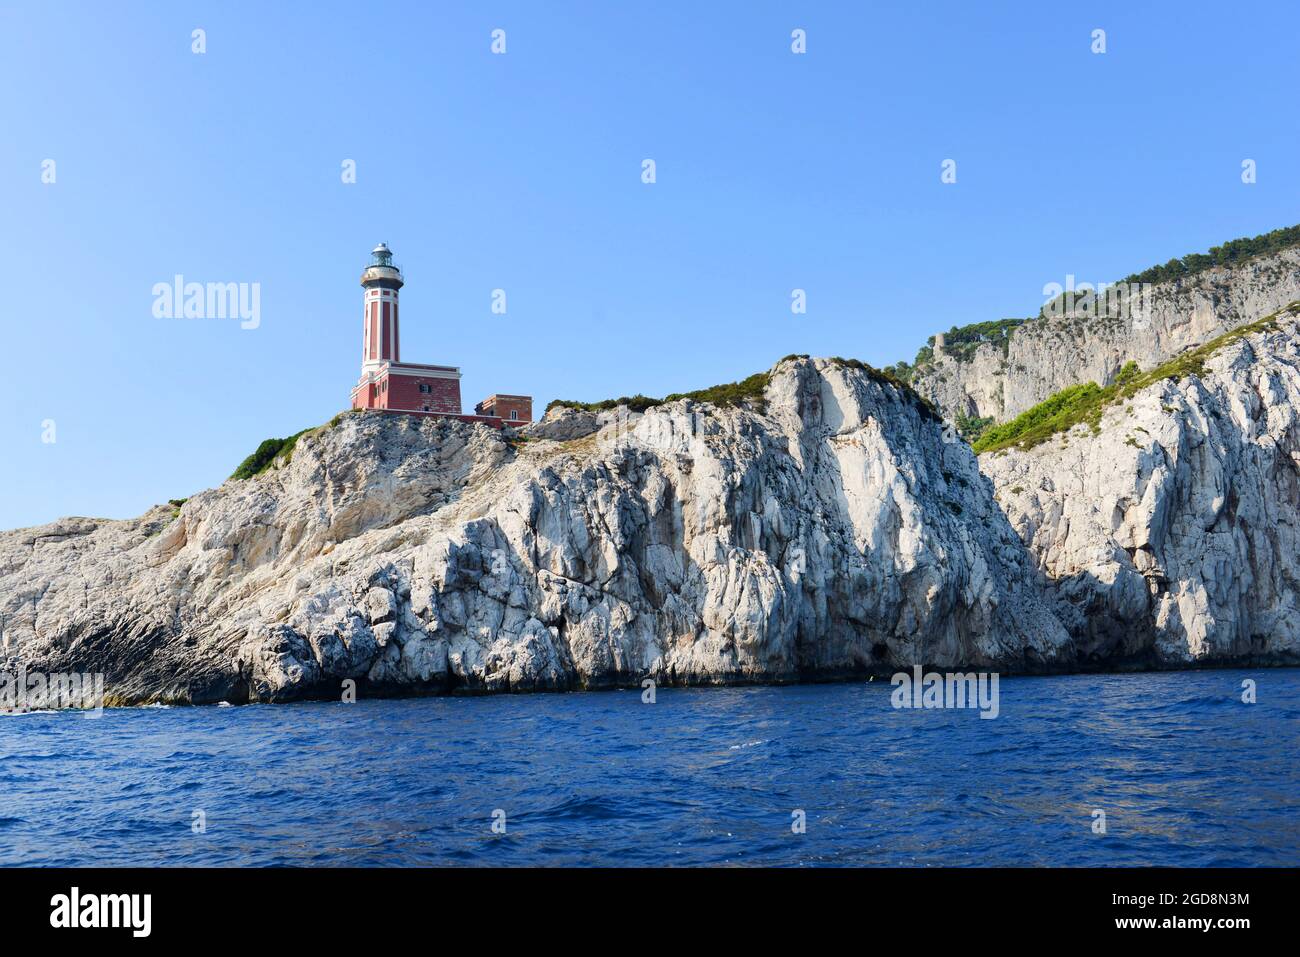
<point>389,384</point>
<point>508,408</point>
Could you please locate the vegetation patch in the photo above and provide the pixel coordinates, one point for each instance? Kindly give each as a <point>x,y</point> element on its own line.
<point>266,454</point>
<point>1127,373</point>
<point>1059,413</point>
<point>339,418</point>
<point>750,391</point>
<point>1230,253</point>
<point>276,452</point>
<point>1084,403</point>
<point>960,343</point>
<point>637,403</point>
<point>745,392</point>
<point>517,442</point>
<point>971,427</point>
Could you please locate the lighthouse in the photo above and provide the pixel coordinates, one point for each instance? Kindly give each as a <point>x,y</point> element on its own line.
<point>389,384</point>
<point>386,381</point>
<point>381,281</point>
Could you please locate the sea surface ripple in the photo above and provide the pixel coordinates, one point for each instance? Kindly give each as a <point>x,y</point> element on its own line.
<point>1186,773</point>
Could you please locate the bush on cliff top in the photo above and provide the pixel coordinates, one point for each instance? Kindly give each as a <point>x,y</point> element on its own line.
<point>960,344</point>
<point>637,403</point>
<point>265,454</point>
<point>749,391</point>
<point>1231,252</point>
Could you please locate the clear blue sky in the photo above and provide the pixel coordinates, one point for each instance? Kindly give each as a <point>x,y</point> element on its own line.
<point>523,172</point>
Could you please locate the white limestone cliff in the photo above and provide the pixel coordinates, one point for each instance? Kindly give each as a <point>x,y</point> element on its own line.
<point>841,530</point>
<point>835,527</point>
<point>1175,526</point>
<point>1046,355</point>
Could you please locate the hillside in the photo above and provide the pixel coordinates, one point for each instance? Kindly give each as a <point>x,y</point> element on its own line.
<point>1168,517</point>
<point>996,371</point>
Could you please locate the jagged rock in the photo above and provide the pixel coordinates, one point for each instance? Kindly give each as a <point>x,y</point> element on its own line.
<point>564,424</point>
<point>1174,528</point>
<point>836,528</point>
<point>842,530</point>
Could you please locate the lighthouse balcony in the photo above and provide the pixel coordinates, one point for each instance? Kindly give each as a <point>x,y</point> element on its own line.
<point>390,276</point>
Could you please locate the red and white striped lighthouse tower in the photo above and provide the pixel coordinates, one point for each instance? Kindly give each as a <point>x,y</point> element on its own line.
<point>381,281</point>
<point>390,384</point>
<point>386,381</point>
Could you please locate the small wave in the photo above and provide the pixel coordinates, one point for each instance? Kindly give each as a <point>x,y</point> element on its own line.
<point>270,794</point>
<point>747,744</point>
<point>577,808</point>
<point>1200,702</point>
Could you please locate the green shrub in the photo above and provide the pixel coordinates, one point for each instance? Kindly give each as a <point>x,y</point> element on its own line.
<point>746,391</point>
<point>1127,373</point>
<point>961,342</point>
<point>637,403</point>
<point>339,418</point>
<point>266,454</point>
<point>971,427</point>
<point>901,371</point>
<point>749,392</point>
<point>1058,413</point>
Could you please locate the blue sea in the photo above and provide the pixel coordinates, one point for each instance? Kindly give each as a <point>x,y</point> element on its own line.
<point>1185,773</point>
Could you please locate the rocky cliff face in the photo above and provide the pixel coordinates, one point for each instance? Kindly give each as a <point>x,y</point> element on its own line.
<point>836,528</point>
<point>841,530</point>
<point>1175,526</point>
<point>1046,355</point>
